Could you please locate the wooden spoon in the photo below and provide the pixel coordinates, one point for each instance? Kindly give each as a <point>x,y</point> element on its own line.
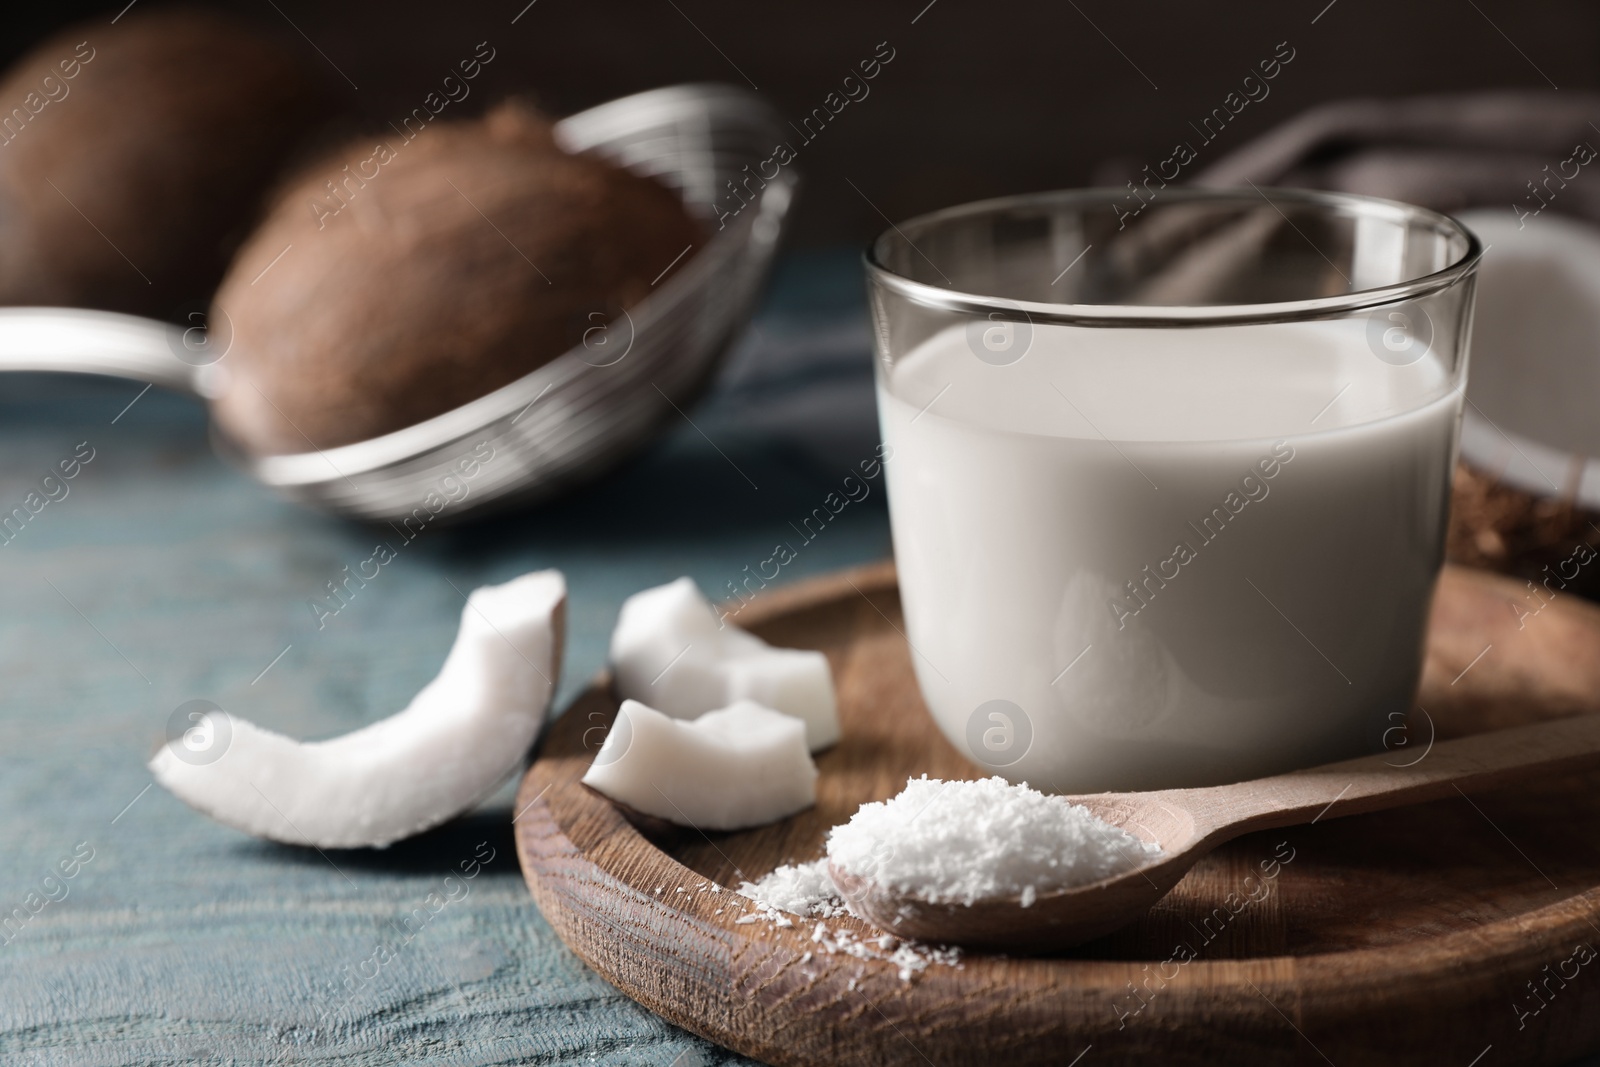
<point>1188,823</point>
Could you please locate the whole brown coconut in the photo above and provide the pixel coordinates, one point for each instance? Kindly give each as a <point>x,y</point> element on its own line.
<point>418,275</point>
<point>134,156</point>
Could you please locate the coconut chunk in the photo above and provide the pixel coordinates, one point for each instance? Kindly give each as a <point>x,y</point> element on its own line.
<point>457,740</point>
<point>740,766</point>
<point>671,652</point>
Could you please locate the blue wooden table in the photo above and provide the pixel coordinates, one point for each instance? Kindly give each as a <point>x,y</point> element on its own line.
<point>158,575</point>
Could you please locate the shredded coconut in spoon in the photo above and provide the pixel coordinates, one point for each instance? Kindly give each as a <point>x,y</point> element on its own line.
<point>961,841</point>
<point>946,841</point>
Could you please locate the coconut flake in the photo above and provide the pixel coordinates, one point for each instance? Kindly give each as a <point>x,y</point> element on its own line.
<point>462,735</point>
<point>737,767</point>
<point>672,652</point>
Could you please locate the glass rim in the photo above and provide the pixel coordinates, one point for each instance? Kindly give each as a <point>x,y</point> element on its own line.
<point>1151,315</point>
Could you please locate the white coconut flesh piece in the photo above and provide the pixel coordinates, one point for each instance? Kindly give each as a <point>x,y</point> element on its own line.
<point>452,746</point>
<point>740,766</point>
<point>671,652</point>
<point>1535,369</point>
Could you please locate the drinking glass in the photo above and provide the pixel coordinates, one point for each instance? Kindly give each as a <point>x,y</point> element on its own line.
<point>1169,488</point>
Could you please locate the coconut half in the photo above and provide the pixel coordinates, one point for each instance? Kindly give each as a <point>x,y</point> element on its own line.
<point>1536,355</point>
<point>671,652</point>
<point>457,740</point>
<point>1527,490</point>
<point>740,766</point>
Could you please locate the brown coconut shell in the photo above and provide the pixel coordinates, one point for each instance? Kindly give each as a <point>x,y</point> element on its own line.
<point>1501,528</point>
<point>429,273</point>
<point>134,156</point>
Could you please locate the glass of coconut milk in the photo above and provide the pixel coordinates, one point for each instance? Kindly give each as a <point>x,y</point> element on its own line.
<point>1169,490</point>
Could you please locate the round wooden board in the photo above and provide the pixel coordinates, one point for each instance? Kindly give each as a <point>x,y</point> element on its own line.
<point>1458,932</point>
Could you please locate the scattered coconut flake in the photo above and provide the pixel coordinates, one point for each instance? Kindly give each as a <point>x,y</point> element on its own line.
<point>962,841</point>
<point>806,891</point>
<point>803,889</point>
<point>913,957</point>
<point>910,958</point>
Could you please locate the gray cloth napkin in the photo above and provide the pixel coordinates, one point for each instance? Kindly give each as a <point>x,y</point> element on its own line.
<point>1528,151</point>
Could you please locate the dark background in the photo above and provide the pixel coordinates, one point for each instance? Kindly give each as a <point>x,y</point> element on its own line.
<point>981,99</point>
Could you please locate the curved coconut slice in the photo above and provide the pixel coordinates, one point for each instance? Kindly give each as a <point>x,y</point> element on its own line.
<point>456,741</point>
<point>671,652</point>
<point>740,766</point>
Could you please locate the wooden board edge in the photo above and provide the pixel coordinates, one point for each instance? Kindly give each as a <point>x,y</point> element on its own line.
<point>562,827</point>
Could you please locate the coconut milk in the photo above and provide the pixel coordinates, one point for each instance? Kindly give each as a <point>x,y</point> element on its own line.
<point>1149,558</point>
